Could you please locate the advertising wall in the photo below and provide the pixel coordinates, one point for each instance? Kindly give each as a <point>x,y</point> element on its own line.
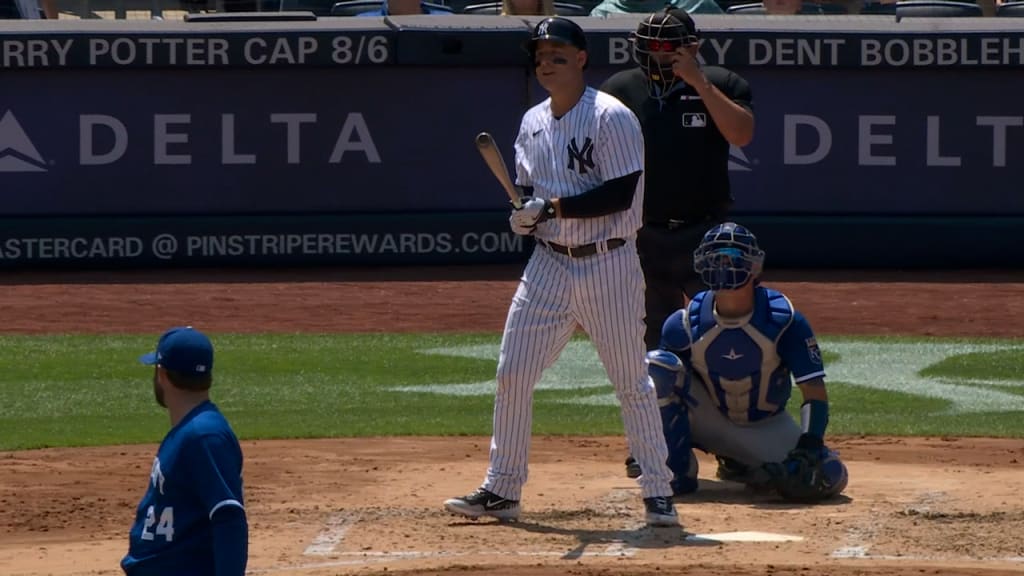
<point>228,134</point>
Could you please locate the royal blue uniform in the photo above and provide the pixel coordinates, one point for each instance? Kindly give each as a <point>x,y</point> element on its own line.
<point>723,382</point>
<point>748,365</point>
<point>196,477</point>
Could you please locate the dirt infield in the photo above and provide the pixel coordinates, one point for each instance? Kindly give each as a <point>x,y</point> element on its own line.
<point>934,506</point>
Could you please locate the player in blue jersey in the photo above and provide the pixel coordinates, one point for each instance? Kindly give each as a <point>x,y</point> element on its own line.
<point>725,371</point>
<point>192,517</point>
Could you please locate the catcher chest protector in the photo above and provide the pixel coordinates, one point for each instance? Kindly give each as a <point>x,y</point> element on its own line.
<point>780,313</point>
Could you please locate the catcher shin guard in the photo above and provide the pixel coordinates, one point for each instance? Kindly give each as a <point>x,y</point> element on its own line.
<point>672,383</point>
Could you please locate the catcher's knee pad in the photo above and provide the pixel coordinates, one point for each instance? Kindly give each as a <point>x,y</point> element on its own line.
<point>664,367</point>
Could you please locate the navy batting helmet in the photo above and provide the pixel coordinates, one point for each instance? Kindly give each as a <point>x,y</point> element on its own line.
<point>728,257</point>
<point>557,29</point>
<point>662,32</point>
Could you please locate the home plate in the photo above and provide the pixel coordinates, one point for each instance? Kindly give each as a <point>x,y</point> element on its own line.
<point>743,537</point>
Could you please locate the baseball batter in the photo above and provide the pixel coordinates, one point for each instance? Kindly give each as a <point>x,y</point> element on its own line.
<point>191,519</point>
<point>579,157</point>
<point>725,372</point>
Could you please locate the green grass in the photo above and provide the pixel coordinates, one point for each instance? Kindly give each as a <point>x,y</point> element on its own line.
<point>91,390</point>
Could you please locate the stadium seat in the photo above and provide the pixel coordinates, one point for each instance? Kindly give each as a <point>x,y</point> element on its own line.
<point>805,8</point>
<point>561,8</point>
<point>355,7</point>
<point>318,7</point>
<point>1012,9</point>
<point>879,8</point>
<point>252,17</point>
<point>936,9</point>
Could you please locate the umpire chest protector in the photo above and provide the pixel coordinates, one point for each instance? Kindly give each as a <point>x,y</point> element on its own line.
<point>687,158</point>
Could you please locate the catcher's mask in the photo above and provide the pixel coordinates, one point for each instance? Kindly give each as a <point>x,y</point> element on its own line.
<point>728,257</point>
<point>556,29</point>
<point>662,33</point>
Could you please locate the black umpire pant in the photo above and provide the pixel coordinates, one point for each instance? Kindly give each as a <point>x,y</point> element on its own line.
<point>666,256</point>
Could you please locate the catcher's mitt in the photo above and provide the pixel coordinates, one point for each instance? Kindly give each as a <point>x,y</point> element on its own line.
<point>810,473</point>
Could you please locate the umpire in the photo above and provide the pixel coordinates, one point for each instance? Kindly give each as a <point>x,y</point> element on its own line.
<point>690,115</point>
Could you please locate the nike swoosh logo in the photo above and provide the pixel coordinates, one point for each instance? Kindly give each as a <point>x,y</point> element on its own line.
<point>492,503</point>
<point>537,132</point>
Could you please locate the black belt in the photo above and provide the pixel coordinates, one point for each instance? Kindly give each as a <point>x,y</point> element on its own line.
<point>674,223</point>
<point>586,249</point>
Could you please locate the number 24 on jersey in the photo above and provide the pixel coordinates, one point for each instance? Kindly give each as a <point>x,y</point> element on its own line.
<point>164,528</point>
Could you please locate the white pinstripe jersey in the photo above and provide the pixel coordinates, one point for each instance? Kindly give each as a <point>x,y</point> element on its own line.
<point>598,140</point>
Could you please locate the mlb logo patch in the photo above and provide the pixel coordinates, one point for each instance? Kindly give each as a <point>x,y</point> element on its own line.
<point>695,120</point>
<point>813,352</point>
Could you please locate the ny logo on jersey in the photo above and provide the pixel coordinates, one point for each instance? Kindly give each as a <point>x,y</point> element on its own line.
<point>584,158</point>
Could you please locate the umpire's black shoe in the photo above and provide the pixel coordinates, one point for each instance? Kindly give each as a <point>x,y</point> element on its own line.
<point>633,468</point>
<point>483,503</point>
<point>661,511</point>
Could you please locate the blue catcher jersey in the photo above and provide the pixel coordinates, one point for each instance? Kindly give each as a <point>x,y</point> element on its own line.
<point>197,471</point>
<point>747,364</point>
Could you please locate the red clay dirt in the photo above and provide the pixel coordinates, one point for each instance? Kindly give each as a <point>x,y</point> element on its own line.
<point>923,506</point>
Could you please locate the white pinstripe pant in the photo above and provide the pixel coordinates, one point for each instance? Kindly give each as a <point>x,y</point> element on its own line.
<point>604,294</point>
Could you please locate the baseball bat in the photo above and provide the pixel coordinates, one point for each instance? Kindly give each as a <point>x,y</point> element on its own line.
<point>492,156</point>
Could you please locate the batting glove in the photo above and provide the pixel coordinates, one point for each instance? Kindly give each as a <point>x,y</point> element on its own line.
<point>518,228</point>
<point>533,212</point>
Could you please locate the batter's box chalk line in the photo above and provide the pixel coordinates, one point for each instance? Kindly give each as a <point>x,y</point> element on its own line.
<point>332,534</point>
<point>612,550</point>
<point>861,553</point>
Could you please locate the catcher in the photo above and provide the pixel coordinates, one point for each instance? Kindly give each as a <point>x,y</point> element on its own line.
<point>724,373</point>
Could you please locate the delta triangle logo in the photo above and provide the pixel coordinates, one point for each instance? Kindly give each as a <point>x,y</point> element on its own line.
<point>17,152</point>
<point>738,161</point>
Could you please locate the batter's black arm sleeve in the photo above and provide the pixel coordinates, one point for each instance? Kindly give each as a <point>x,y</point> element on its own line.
<point>613,196</point>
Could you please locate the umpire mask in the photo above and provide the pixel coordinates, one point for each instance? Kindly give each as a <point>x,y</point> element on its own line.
<point>657,37</point>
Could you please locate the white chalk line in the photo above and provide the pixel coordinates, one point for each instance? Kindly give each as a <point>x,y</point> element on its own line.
<point>860,535</point>
<point>333,533</point>
<point>613,550</point>
<point>365,558</point>
<point>861,553</point>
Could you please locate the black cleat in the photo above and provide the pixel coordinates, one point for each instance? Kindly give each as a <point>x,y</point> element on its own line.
<point>633,468</point>
<point>661,511</point>
<point>483,503</point>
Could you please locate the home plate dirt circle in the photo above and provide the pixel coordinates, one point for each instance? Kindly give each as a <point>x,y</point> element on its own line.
<point>921,506</point>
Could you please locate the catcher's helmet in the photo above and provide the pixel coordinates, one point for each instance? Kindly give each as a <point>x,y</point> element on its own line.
<point>728,257</point>
<point>662,32</point>
<point>557,29</point>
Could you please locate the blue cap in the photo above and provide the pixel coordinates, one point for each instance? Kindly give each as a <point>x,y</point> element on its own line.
<point>182,349</point>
